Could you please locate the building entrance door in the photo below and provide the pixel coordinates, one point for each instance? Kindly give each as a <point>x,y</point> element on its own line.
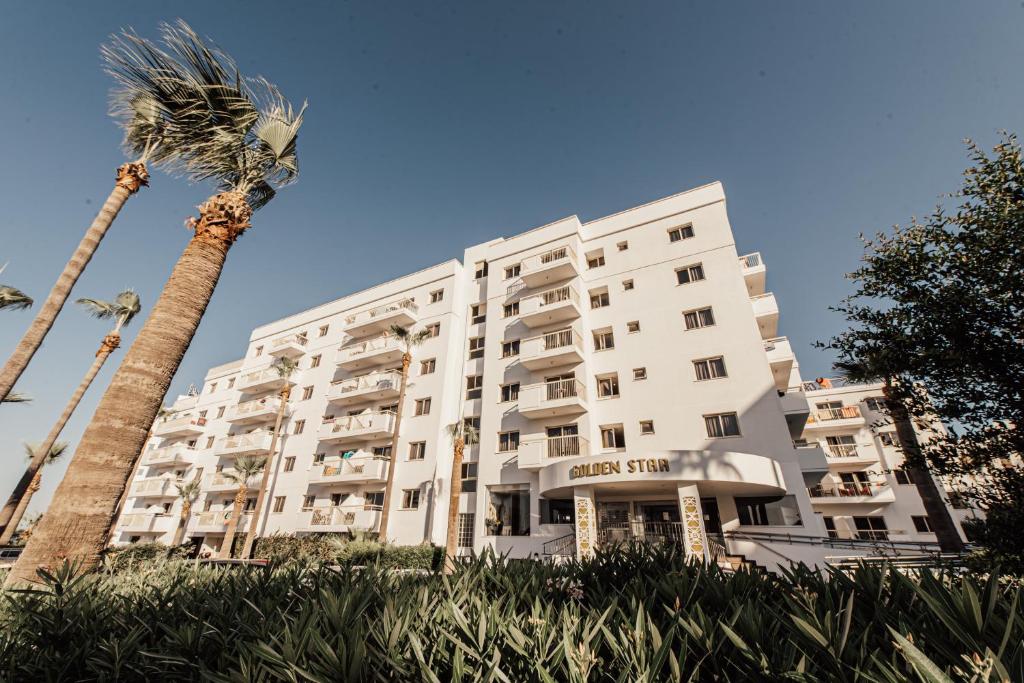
<point>612,522</point>
<point>712,520</point>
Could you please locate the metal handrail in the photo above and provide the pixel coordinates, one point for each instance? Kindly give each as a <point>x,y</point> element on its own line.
<point>567,446</point>
<point>869,488</point>
<point>560,546</point>
<point>829,414</point>
<point>751,260</point>
<point>841,450</point>
<point>847,543</point>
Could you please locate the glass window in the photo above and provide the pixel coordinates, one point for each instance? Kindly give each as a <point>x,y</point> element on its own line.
<point>510,392</point>
<point>639,373</point>
<point>608,386</point>
<point>478,313</point>
<point>508,511</point>
<point>428,366</point>
<point>423,406</point>
<point>681,233</point>
<point>279,503</point>
<point>469,477</point>
<point>701,317</point>
<point>709,368</point>
<point>480,270</point>
<point>921,524</point>
<point>308,502</point>
<point>467,520</point>
<point>595,260</point>
<point>437,296</point>
<point>510,349</point>
<point>769,511</point>
<point>417,450</point>
<point>373,500</point>
<point>622,246</point>
<point>410,499</point>
<point>307,393</point>
<point>474,386</point>
<point>289,463</point>
<point>299,426</point>
<point>723,424</point>
<point>472,423</point>
<point>688,274</point>
<point>646,427</point>
<point>323,330</point>
<point>513,270</point>
<point>557,512</point>
<point>599,299</point>
<point>633,326</point>
<point>603,340</point>
<point>314,362</point>
<point>613,436</point>
<point>509,310</point>
<point>433,329</point>
<point>476,347</point>
<point>627,285</point>
<point>508,441</point>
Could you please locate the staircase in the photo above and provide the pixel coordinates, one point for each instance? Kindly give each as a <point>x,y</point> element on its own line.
<point>719,554</point>
<point>560,549</point>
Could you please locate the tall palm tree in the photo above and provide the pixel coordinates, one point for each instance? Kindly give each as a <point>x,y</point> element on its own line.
<point>56,450</point>
<point>188,492</point>
<point>13,298</point>
<point>245,471</point>
<point>164,117</point>
<point>285,368</point>
<point>461,433</point>
<point>122,309</point>
<point>254,153</point>
<point>409,340</point>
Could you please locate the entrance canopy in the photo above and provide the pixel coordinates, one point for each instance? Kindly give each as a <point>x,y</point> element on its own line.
<point>714,473</point>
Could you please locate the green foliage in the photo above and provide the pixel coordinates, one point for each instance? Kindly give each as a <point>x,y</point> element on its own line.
<point>304,549</point>
<point>356,552</point>
<point>131,557</point>
<point>631,615</point>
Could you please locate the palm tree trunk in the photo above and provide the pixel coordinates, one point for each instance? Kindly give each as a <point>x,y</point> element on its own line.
<point>9,518</point>
<point>383,533</point>
<point>453,507</point>
<point>5,538</point>
<point>250,537</point>
<point>938,514</point>
<point>78,521</point>
<point>236,513</point>
<point>130,177</point>
<point>179,533</point>
<point>127,488</point>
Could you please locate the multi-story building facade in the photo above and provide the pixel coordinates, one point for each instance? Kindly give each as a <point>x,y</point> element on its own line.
<point>624,375</point>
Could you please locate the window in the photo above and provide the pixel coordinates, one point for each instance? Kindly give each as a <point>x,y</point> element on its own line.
<point>768,511</point>
<point>478,313</point>
<point>436,296</point>
<point>508,511</point>
<point>382,452</point>
<point>904,477</point>
<point>220,411</point>
<point>921,524</point>
<point>289,463</point>
<point>373,499</point>
<point>433,329</point>
<point>557,512</point>
<point>467,520</point>
<point>509,310</point>
<point>889,439</point>
<point>314,362</point>
<point>510,348</point>
<point>474,386</point>
<point>613,437</point>
<point>681,233</point>
<point>209,442</point>
<point>722,424</point>
<point>709,368</point>
<point>410,499</point>
<point>608,386</point>
<point>231,383</point>
<point>476,347</point>
<point>324,329</point>
<point>510,392</point>
<point>417,450</point>
<point>213,387</point>
<point>701,317</point>
<point>258,351</point>
<point>480,270</point>
<point>318,458</point>
<point>871,528</point>
<point>595,259</point>
<point>428,366</point>
<point>604,340</point>
<point>202,413</point>
<point>841,446</point>
<point>876,403</point>
<point>307,393</point>
<point>639,374</point>
<point>627,285</point>
<point>474,424</point>
<point>513,270</point>
<point>307,502</point>
<point>633,326</point>
<point>278,504</point>
<point>469,477</point>
<point>622,246</point>
<point>646,427</point>
<point>299,426</point>
<point>508,441</point>
<point>422,406</point>
<point>599,298</point>
<point>688,274</point>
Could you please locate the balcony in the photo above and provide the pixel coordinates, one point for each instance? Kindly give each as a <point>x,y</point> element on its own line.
<point>147,523</point>
<point>341,518</point>
<point>780,360</point>
<point>173,427</point>
<point>258,410</point>
<point>371,353</point>
<point>796,410</point>
<point>376,386</point>
<point>253,443</point>
<point>766,312</point>
<point>848,454</point>
<point>362,467</point>
<point>535,454</point>
<point>362,427</point>
<point>550,399</point>
<point>846,418</point>
<point>291,346</point>
<point>563,347</point>
<point>811,457</point>
<point>753,269</point>
<point>168,456</point>
<point>551,266</point>
<point>561,304</point>
<point>265,378</point>
<point>155,487</point>
<point>374,321</point>
<point>217,521</point>
<point>219,481</point>
<point>873,492</point>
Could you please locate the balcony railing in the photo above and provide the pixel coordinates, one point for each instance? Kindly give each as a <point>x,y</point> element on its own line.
<point>381,311</point>
<point>298,339</point>
<point>258,440</point>
<point>842,450</point>
<point>382,421</point>
<point>570,445</point>
<point>260,405</point>
<point>858,490</point>
<point>832,414</point>
<point>218,519</point>
<point>751,260</point>
<point>376,381</point>
<point>371,346</point>
<point>345,515</point>
<point>170,454</point>
<point>560,339</point>
<point>158,486</point>
<point>564,388</point>
<point>184,424</point>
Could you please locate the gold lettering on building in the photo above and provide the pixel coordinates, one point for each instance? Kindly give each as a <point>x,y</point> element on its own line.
<point>608,467</point>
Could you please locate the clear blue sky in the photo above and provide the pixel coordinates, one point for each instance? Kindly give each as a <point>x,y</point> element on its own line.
<point>433,126</point>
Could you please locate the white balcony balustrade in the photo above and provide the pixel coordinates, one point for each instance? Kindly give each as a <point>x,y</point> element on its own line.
<point>256,411</point>
<point>175,426</point>
<point>219,481</point>
<point>403,312</point>
<point>253,443</point>
<point>361,467</point>
<point>375,386</point>
<point>354,428</point>
<point>291,346</point>
<point>371,353</point>
<point>535,453</point>
<point>551,399</point>
<point>554,349</point>
<point>342,518</point>
<point>155,487</point>
<point>147,522</point>
<point>753,269</point>
<point>561,304</point>
<point>217,521</point>
<point>766,313</point>
<point>845,418</point>
<point>167,456</point>
<point>780,360</point>
<point>863,492</point>
<point>265,378</point>
<point>551,266</point>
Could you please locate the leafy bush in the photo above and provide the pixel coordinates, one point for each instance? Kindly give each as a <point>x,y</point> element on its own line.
<point>283,548</point>
<point>130,557</point>
<point>636,615</point>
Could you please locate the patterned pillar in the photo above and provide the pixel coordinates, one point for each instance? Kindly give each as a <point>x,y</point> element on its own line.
<point>586,521</point>
<point>693,522</point>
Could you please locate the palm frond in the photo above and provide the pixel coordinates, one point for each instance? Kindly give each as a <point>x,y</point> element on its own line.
<point>190,490</point>
<point>16,397</point>
<point>56,450</point>
<point>13,298</point>
<point>285,367</point>
<point>125,306</point>
<point>245,469</point>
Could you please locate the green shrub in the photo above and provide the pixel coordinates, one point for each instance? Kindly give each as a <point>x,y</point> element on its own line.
<point>130,557</point>
<point>284,548</point>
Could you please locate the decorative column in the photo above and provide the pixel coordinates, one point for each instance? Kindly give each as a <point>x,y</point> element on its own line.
<point>586,521</point>
<point>696,540</point>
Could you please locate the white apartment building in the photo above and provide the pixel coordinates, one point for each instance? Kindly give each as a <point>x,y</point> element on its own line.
<point>625,377</point>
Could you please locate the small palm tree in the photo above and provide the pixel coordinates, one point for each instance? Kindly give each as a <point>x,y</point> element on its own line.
<point>253,152</point>
<point>188,492</point>
<point>13,298</point>
<point>55,451</point>
<point>461,433</point>
<point>245,471</point>
<point>409,340</point>
<point>122,309</point>
<point>285,367</point>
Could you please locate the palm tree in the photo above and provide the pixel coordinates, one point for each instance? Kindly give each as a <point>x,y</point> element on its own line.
<point>461,433</point>
<point>409,340</point>
<point>122,309</point>
<point>254,152</point>
<point>245,470</point>
<point>13,298</point>
<point>188,492</point>
<point>165,117</point>
<point>56,450</point>
<point>285,368</point>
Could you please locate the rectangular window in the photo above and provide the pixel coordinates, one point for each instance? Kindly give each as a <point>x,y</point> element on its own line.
<point>888,439</point>
<point>476,347</point>
<point>410,499</point>
<point>478,313</point>
<point>466,523</point>
<point>474,386</point>
<point>709,368</point>
<point>324,329</point>
<point>700,317</point>
<point>921,524</point>
<point>639,373</point>
<point>209,442</point>
<point>681,233</point>
<point>318,458</point>
<point>469,477</point>
<point>436,296</point>
<point>373,500</point>
<point>633,326</point>
<point>480,270</point>
<point>627,285</point>
<point>231,383</point>
<point>876,403</point>
<point>613,436</point>
<point>213,387</point>
<point>599,298</point>
<point>595,260</point>
<point>307,393</point>
<point>417,450</point>
<point>278,504</point>
<point>508,442</point>
<point>768,511</point>
<point>308,502</point>
<point>510,348</point>
<point>508,511</point>
<point>510,392</point>
<point>646,427</point>
<point>258,351</point>
<point>299,426</point>
<point>510,310</point>
<point>220,411</point>
<point>722,424</point>
<point>622,246</point>
<point>473,429</point>
<point>314,362</point>
<point>289,463</point>
<point>422,406</point>
<point>603,340</point>
<point>608,386</point>
<point>382,452</point>
<point>688,274</point>
<point>871,528</point>
<point>433,329</point>
<point>428,366</point>
<point>513,271</point>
